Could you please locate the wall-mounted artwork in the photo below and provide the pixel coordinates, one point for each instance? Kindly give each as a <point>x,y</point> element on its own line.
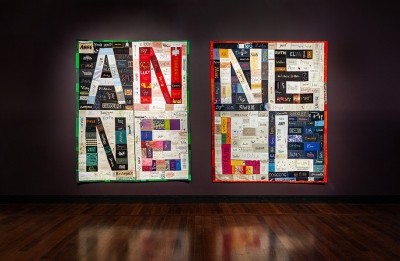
<point>132,111</point>
<point>269,108</point>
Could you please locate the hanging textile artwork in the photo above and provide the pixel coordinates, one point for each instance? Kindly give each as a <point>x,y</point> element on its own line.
<point>269,108</point>
<point>132,111</point>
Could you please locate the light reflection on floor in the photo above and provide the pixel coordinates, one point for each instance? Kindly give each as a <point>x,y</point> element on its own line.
<point>230,242</point>
<point>124,243</point>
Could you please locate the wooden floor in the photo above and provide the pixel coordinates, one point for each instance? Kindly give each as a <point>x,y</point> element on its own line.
<point>200,231</point>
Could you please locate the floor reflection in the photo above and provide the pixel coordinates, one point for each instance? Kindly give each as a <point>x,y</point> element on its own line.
<point>237,239</point>
<point>247,243</point>
<point>197,238</point>
<point>127,243</point>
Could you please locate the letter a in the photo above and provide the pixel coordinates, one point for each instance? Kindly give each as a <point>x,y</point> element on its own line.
<point>116,81</point>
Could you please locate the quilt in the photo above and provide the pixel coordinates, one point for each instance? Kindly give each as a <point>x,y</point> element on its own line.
<point>132,110</point>
<point>269,111</point>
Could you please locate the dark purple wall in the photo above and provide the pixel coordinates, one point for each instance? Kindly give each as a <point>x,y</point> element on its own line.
<point>38,87</point>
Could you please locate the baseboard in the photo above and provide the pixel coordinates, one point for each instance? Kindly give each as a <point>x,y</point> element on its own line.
<point>395,199</point>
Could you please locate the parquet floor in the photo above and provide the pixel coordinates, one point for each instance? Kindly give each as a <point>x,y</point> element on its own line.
<point>199,231</point>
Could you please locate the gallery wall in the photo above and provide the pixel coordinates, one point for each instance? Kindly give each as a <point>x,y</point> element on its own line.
<point>38,87</point>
